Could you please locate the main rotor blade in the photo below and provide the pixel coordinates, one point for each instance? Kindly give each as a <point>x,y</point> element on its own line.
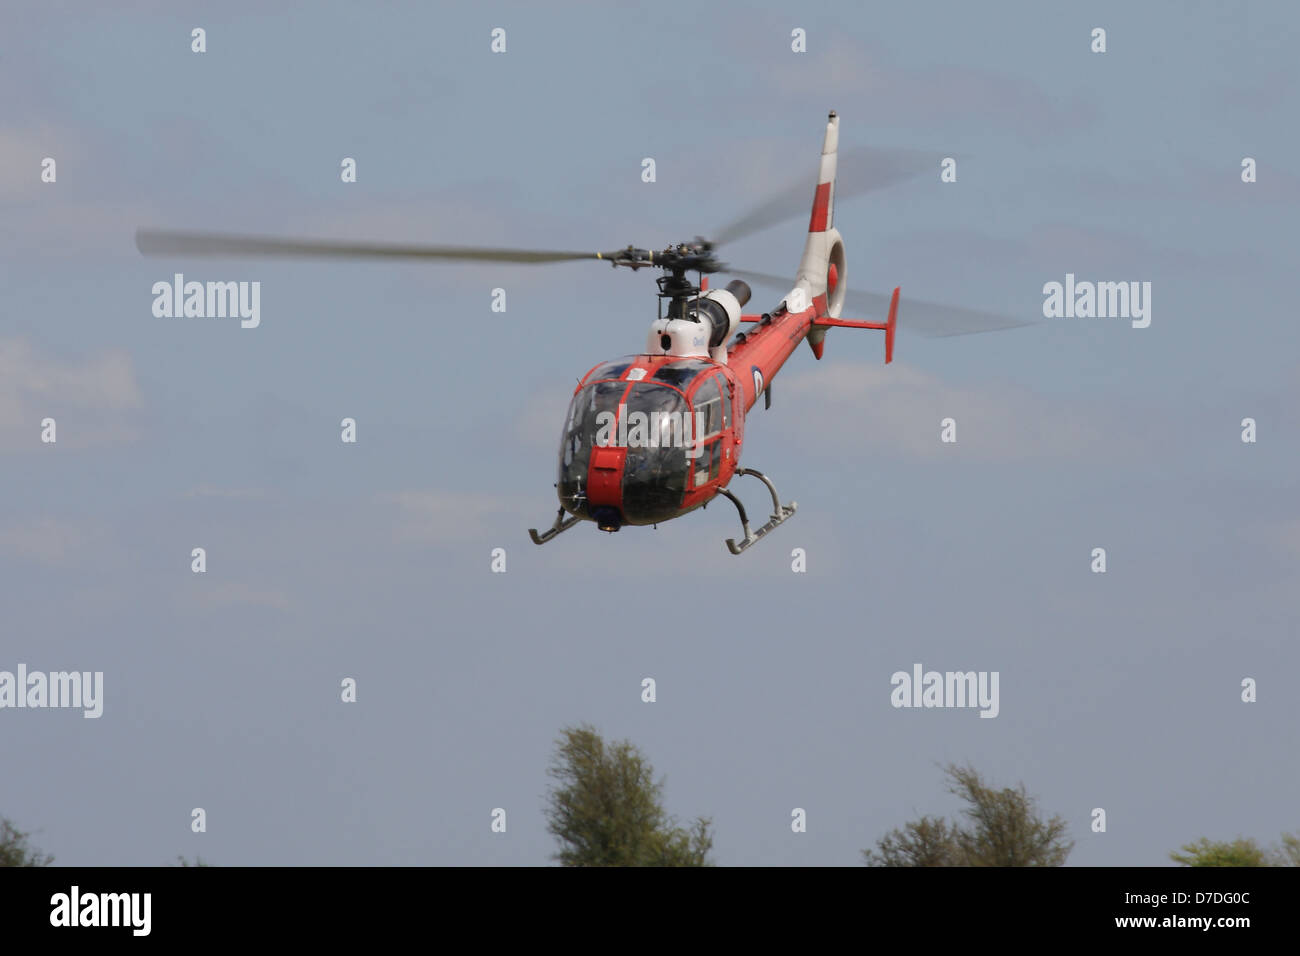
<point>859,169</point>
<point>930,319</point>
<point>161,242</point>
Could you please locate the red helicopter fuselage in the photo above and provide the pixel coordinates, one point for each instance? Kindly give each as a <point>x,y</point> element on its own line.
<point>651,437</point>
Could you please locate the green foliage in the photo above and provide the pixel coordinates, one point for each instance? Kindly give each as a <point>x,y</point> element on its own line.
<point>1206,852</point>
<point>606,808</point>
<point>929,841</point>
<point>1288,853</point>
<point>1239,852</point>
<point>14,849</point>
<point>1003,828</point>
<point>678,847</point>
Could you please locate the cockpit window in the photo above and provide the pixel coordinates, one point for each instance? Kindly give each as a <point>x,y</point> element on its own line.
<point>681,374</point>
<point>580,430</point>
<point>658,434</point>
<point>614,369</point>
<point>710,414</point>
<point>708,399</point>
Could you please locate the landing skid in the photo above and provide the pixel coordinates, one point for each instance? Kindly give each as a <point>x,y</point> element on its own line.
<point>562,523</point>
<point>779,513</point>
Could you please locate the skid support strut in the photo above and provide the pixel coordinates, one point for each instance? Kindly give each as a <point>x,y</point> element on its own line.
<point>562,523</point>
<point>779,513</point>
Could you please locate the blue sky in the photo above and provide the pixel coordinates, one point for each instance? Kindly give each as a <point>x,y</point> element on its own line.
<point>372,560</point>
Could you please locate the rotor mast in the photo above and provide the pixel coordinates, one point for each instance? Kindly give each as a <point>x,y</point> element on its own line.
<point>676,261</point>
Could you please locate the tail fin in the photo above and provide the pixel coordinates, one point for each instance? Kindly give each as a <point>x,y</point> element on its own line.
<point>822,236</point>
<point>888,326</point>
<point>822,268</point>
<point>823,211</point>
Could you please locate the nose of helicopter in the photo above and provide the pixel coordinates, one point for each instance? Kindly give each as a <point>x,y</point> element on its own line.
<point>605,486</point>
<point>622,457</point>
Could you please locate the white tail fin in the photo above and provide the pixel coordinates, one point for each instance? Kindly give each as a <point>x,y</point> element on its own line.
<point>821,270</point>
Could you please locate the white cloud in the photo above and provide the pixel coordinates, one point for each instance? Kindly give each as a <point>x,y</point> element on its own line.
<point>80,212</point>
<point>900,407</point>
<point>541,419</point>
<point>90,399</point>
<point>52,542</point>
<point>21,154</point>
<point>936,96</point>
<point>1286,537</point>
<point>211,491</point>
<point>237,593</point>
<point>433,516</point>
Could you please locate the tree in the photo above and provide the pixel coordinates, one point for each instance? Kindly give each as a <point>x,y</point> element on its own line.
<point>606,808</point>
<point>929,841</point>
<point>1239,852</point>
<point>1003,828</point>
<point>1288,853</point>
<point>1006,828</point>
<point>14,849</point>
<point>1207,852</point>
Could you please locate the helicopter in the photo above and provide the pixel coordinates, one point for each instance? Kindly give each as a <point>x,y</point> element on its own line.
<point>656,434</point>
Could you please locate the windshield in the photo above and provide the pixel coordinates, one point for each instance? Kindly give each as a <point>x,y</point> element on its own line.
<point>681,374</point>
<point>614,369</point>
<point>650,420</point>
<point>579,435</point>
<point>654,477</point>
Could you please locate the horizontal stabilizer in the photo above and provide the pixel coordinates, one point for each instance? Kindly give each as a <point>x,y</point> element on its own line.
<point>888,326</point>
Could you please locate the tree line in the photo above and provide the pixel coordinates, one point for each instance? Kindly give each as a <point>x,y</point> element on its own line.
<point>606,808</point>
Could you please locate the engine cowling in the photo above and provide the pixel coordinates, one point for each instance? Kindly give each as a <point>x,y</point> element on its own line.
<point>708,323</point>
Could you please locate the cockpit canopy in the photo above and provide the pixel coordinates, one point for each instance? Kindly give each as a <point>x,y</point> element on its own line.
<point>650,416</point>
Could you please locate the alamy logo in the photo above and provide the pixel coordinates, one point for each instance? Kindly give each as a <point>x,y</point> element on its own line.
<point>1102,300</point>
<point>82,689</point>
<point>946,689</point>
<point>639,429</point>
<point>75,908</point>
<point>210,300</point>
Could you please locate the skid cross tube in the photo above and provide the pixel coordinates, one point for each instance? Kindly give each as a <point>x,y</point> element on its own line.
<point>561,525</point>
<point>780,513</point>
